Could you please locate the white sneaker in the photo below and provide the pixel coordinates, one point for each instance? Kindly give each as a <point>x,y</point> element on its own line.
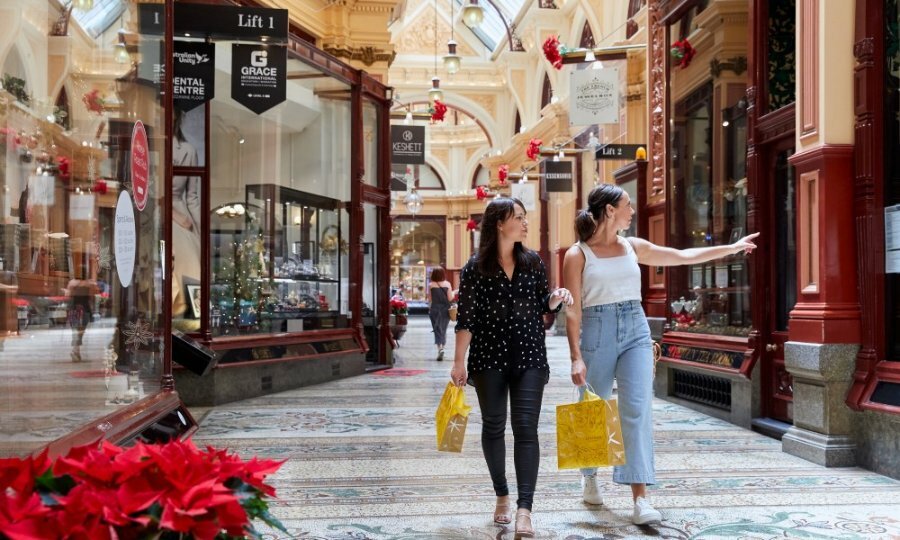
<point>644,514</point>
<point>590,491</point>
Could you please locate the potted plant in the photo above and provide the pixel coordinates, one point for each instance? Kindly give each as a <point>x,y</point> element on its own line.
<point>166,491</point>
<point>399,312</point>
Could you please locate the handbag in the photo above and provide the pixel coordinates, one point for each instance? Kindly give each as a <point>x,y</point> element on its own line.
<point>451,418</point>
<point>588,433</point>
<point>452,311</point>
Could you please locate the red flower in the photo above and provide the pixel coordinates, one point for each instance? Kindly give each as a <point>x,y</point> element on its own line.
<point>101,187</point>
<point>683,51</point>
<point>534,149</point>
<point>398,306</point>
<point>93,101</point>
<point>438,111</point>
<point>101,491</point>
<point>503,173</point>
<point>551,51</point>
<point>481,193</point>
<point>471,225</point>
<point>62,163</point>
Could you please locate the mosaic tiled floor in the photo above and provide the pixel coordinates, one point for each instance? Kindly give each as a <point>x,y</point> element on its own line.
<point>362,465</point>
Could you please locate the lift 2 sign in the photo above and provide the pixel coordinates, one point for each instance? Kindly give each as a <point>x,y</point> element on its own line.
<point>258,76</point>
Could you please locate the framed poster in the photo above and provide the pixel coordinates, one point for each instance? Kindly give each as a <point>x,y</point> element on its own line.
<point>193,295</point>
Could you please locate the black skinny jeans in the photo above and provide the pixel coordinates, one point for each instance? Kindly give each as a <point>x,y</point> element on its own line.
<point>526,391</point>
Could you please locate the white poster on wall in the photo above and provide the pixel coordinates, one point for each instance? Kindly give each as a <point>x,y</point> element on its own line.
<point>124,239</point>
<point>527,193</point>
<point>892,239</point>
<point>594,97</point>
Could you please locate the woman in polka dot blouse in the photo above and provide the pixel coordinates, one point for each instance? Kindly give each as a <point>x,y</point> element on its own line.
<point>503,296</point>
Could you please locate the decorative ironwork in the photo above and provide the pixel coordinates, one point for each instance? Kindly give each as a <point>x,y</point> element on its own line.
<point>702,388</point>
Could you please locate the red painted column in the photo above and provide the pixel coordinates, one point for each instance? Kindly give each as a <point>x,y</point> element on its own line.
<point>827,311</point>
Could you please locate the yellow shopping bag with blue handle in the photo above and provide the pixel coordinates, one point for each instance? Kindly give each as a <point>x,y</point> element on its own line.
<point>588,433</point>
<point>451,418</point>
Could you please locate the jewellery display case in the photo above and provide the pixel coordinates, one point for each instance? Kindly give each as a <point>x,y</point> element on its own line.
<point>286,270</point>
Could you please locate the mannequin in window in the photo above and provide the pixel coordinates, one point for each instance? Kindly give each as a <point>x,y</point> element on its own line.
<point>185,219</point>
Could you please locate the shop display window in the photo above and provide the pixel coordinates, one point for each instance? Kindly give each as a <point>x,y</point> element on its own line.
<point>279,189</point>
<point>417,247</point>
<point>892,177</point>
<point>708,208</point>
<point>82,161</point>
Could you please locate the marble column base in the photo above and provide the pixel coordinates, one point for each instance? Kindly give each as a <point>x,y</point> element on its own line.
<point>825,450</point>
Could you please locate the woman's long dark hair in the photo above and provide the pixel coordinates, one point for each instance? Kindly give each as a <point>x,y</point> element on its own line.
<point>487,260</point>
<point>588,219</point>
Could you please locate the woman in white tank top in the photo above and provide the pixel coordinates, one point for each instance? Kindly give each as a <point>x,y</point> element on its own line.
<point>608,333</point>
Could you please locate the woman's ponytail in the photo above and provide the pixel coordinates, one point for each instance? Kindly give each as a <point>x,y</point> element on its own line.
<point>585,225</point>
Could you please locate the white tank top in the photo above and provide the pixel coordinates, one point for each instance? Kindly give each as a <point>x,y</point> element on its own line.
<point>609,279</point>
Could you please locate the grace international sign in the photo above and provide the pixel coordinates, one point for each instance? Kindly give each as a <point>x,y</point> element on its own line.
<point>595,97</point>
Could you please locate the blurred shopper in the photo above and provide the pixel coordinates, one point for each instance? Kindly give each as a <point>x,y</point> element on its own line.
<point>439,292</point>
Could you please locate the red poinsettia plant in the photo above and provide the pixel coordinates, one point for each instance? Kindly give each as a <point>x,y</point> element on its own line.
<point>503,173</point>
<point>101,491</point>
<point>534,149</point>
<point>683,52</point>
<point>553,51</point>
<point>65,168</point>
<point>398,306</point>
<point>471,225</point>
<point>93,101</point>
<point>438,110</point>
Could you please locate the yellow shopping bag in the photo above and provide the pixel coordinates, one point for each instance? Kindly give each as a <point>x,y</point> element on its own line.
<point>451,418</point>
<point>588,433</point>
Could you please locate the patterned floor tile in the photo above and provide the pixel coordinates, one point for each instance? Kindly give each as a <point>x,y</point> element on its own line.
<point>361,464</point>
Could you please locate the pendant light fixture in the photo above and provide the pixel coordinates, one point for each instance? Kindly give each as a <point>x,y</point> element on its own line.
<point>122,56</point>
<point>435,94</point>
<point>452,60</point>
<point>472,14</point>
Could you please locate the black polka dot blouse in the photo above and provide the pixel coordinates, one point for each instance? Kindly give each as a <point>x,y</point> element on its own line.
<point>505,318</point>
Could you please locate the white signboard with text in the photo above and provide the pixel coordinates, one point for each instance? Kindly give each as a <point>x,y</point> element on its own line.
<point>594,97</point>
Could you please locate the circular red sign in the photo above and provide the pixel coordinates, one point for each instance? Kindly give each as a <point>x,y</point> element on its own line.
<point>140,165</point>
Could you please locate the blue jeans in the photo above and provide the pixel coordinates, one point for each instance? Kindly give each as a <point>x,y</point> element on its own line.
<point>615,344</point>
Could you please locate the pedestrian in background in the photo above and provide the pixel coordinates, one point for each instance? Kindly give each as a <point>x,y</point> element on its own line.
<point>439,293</point>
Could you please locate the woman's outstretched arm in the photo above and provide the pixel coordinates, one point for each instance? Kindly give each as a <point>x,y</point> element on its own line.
<point>650,254</point>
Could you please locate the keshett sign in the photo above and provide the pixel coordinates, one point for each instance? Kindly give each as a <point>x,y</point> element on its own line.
<point>408,144</point>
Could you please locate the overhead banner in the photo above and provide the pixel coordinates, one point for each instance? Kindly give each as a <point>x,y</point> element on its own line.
<point>194,73</point>
<point>408,144</point>
<point>217,21</point>
<point>258,76</point>
<point>558,176</point>
<point>594,97</point>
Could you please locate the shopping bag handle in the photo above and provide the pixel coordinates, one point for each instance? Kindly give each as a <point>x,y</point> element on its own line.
<point>588,387</point>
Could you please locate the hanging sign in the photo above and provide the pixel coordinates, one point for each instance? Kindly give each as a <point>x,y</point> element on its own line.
<point>217,21</point>
<point>558,176</point>
<point>151,67</point>
<point>595,97</point>
<point>258,76</point>
<point>617,151</point>
<point>195,68</point>
<point>140,165</point>
<point>124,239</point>
<point>525,192</point>
<point>408,144</point>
